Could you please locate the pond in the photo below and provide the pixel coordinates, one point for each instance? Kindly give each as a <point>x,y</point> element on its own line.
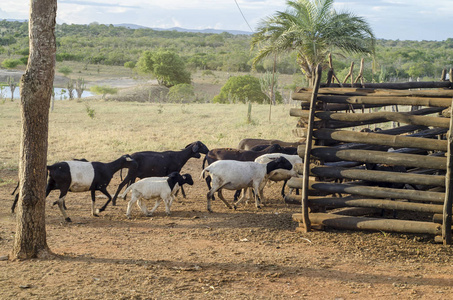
<point>60,93</point>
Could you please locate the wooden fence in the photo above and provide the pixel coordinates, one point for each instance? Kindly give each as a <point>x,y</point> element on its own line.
<point>358,167</point>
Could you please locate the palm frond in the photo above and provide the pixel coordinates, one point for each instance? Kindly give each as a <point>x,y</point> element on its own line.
<point>312,28</point>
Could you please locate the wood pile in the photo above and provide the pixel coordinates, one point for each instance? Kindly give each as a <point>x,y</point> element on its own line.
<point>357,165</point>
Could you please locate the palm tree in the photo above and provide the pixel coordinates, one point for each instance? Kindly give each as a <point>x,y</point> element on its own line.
<point>313,29</point>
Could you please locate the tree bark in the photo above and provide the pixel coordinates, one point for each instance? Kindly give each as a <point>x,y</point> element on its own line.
<point>36,90</point>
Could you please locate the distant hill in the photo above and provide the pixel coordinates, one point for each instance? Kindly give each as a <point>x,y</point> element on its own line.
<point>15,20</point>
<point>179,29</point>
<point>130,26</point>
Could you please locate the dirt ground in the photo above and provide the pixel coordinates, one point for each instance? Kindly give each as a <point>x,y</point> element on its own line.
<point>193,254</point>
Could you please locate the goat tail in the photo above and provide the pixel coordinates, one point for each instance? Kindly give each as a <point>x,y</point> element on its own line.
<point>123,195</point>
<point>202,176</point>
<point>204,160</point>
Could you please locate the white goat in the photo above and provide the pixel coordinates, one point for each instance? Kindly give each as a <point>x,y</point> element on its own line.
<point>163,188</point>
<point>236,175</point>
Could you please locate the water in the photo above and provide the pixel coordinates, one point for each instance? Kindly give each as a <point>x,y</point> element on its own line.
<point>60,93</point>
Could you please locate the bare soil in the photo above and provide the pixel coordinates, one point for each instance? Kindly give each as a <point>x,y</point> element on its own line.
<point>193,254</point>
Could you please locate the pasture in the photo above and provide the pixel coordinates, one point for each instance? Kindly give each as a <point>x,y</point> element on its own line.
<point>193,254</point>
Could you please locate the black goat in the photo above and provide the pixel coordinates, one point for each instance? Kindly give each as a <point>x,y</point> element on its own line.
<point>285,150</point>
<point>82,176</point>
<point>15,198</point>
<point>156,164</point>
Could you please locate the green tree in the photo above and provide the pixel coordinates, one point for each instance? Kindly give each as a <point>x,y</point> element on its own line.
<point>241,89</point>
<point>312,28</point>
<point>269,85</point>
<point>168,68</point>
<point>416,70</point>
<point>12,86</point>
<point>103,90</point>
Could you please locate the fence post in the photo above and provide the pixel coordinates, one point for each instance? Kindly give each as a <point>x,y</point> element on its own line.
<point>306,175</point>
<point>446,224</point>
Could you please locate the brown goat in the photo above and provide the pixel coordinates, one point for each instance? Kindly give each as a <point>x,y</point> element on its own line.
<point>237,154</point>
<point>248,144</point>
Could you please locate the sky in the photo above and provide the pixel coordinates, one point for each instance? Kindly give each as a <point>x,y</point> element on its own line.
<point>389,19</point>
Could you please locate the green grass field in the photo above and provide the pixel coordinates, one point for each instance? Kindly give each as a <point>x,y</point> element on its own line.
<point>126,127</point>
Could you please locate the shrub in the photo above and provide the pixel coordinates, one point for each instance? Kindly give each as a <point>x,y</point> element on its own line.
<point>181,92</point>
<point>24,52</point>
<point>65,70</point>
<point>130,64</point>
<point>11,63</point>
<point>24,60</point>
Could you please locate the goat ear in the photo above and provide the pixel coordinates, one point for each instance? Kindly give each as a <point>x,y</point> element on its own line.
<point>180,180</point>
<point>196,147</point>
<point>189,145</point>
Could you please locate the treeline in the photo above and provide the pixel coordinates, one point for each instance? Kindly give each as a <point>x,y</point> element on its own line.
<point>110,45</point>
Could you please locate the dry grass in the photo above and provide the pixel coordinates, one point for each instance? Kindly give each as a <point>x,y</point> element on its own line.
<point>127,127</point>
<point>94,72</point>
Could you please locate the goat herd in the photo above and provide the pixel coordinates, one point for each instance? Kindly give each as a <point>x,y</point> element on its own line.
<point>251,165</point>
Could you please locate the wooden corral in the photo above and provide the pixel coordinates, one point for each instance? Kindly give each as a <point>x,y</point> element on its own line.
<point>377,156</point>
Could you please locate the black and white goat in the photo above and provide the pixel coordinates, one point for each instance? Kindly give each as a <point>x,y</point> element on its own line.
<point>237,175</point>
<point>82,176</point>
<point>281,175</point>
<point>159,188</point>
<point>16,198</point>
<point>158,164</point>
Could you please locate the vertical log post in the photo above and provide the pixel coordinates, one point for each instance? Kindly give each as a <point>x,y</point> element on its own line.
<point>443,76</point>
<point>360,76</point>
<point>451,77</point>
<point>306,175</point>
<point>333,73</point>
<point>446,224</point>
<point>351,69</point>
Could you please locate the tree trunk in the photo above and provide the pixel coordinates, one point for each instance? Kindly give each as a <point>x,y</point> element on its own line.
<point>36,90</point>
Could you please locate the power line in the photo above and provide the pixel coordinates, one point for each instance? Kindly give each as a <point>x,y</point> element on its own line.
<point>243,16</point>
